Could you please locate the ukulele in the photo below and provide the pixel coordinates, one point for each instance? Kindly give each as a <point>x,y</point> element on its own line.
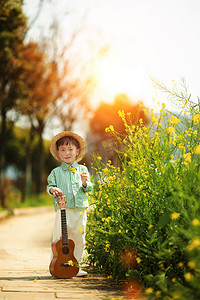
<point>63,264</point>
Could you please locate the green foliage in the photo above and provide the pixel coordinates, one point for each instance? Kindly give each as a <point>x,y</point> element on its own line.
<point>36,200</point>
<point>144,222</point>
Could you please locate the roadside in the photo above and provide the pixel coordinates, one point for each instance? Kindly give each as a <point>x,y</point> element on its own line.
<point>25,240</point>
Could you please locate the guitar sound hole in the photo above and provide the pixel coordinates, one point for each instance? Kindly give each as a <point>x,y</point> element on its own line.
<point>65,250</point>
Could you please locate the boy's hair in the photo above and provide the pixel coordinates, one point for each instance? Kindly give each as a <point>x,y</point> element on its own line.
<point>67,140</point>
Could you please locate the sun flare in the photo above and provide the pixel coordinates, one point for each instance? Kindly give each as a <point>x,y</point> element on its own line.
<point>116,75</point>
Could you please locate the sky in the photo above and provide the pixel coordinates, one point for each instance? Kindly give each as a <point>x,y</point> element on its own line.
<point>143,38</point>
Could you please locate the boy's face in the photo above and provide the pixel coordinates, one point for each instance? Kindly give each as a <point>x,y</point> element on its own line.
<point>68,153</point>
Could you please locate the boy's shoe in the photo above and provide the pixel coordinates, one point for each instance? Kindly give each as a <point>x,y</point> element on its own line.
<point>81,273</point>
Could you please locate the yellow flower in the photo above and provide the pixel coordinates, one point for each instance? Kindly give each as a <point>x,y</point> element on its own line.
<point>174,120</point>
<point>99,157</point>
<point>149,291</point>
<point>196,119</point>
<point>177,295</point>
<point>195,222</point>
<point>145,111</point>
<point>163,105</point>
<point>150,226</point>
<point>73,169</point>
<point>180,264</point>
<point>194,244</point>
<point>35,280</point>
<point>70,263</point>
<point>138,259</point>
<point>174,216</point>
<point>158,293</point>
<point>191,264</point>
<point>81,213</point>
<point>80,229</point>
<point>187,157</point>
<point>121,113</point>
<point>197,150</point>
<point>170,129</point>
<point>107,246</point>
<point>110,128</point>
<point>188,276</point>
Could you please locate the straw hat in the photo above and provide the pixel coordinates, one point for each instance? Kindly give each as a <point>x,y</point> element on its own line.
<point>82,143</point>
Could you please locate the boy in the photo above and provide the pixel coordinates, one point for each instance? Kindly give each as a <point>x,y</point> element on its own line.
<point>70,180</point>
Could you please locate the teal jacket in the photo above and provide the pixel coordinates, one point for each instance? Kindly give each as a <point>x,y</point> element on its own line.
<point>69,181</point>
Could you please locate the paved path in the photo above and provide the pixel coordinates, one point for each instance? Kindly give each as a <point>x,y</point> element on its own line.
<point>24,261</point>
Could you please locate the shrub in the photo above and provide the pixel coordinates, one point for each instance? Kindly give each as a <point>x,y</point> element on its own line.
<point>145,226</point>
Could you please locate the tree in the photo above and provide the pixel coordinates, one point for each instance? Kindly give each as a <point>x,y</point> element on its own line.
<point>12,29</point>
<point>107,114</point>
<point>73,105</point>
<point>42,90</point>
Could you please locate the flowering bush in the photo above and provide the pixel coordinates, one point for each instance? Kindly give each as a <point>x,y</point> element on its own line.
<point>144,228</point>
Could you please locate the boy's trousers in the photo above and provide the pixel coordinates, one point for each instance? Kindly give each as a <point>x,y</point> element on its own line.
<point>76,227</point>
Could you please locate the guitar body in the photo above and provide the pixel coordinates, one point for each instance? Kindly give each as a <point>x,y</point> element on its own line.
<point>62,254</point>
<point>63,264</point>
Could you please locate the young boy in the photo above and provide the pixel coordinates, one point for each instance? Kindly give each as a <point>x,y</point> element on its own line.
<point>70,180</point>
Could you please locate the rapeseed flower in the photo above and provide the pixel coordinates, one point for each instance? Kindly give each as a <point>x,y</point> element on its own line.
<point>70,263</point>
<point>187,157</point>
<point>170,129</point>
<point>107,246</point>
<point>73,169</point>
<point>197,150</point>
<point>180,264</point>
<point>188,276</point>
<point>138,259</point>
<point>174,120</point>
<point>195,222</point>
<point>196,119</point>
<point>191,264</point>
<point>149,291</point>
<point>110,129</point>
<point>174,216</point>
<point>194,244</point>
<point>177,294</point>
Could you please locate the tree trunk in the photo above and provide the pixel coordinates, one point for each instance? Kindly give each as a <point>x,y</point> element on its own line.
<point>2,156</point>
<point>28,171</point>
<point>40,161</point>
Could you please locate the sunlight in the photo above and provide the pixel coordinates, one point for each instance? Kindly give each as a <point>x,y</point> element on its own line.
<point>114,75</point>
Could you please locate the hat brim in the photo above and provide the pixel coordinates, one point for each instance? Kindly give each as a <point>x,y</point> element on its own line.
<point>82,143</point>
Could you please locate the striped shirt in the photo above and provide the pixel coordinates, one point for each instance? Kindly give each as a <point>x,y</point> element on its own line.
<point>67,179</point>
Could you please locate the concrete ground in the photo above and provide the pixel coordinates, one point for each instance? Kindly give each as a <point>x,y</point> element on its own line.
<point>25,241</point>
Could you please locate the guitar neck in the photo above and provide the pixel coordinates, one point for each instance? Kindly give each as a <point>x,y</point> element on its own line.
<point>64,227</point>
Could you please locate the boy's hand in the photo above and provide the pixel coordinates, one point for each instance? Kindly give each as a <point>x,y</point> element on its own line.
<point>57,193</point>
<point>84,177</point>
